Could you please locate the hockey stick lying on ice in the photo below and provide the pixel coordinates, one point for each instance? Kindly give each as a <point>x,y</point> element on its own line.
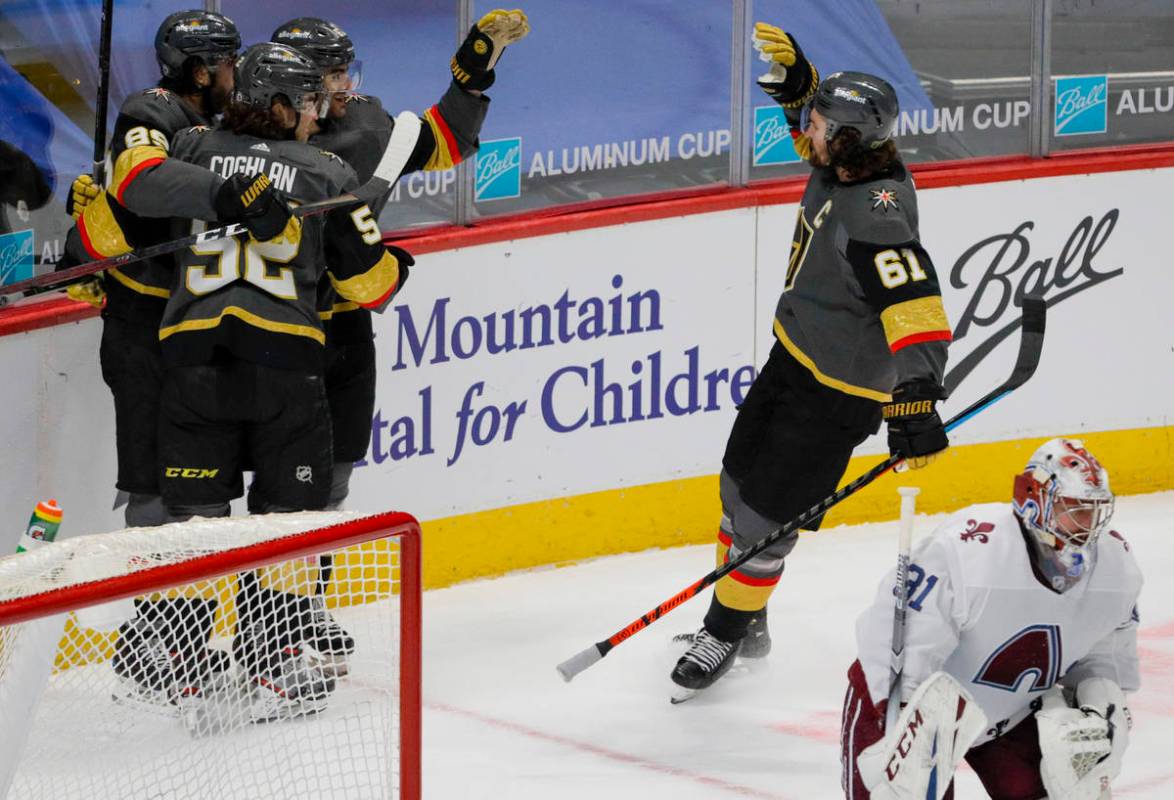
<point>1030,345</point>
<point>395,157</point>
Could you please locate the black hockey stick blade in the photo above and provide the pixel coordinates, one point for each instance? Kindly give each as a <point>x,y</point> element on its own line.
<point>1026,361</point>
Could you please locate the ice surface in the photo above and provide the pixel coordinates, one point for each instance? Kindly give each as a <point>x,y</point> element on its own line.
<point>499,722</point>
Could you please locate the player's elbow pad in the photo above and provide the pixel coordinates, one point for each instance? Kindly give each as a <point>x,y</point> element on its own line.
<point>374,288</point>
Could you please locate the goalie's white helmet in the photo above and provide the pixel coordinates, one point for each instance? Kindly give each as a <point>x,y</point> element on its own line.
<point>1064,501</point>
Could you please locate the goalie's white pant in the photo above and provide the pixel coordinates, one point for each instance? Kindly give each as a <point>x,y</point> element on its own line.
<point>1007,766</point>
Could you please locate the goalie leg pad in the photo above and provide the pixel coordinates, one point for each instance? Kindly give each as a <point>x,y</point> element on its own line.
<point>933,733</point>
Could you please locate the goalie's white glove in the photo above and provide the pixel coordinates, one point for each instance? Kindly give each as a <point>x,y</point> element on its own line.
<point>932,734</point>
<point>1082,747</point>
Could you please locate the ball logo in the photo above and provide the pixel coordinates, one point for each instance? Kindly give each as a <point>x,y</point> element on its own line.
<point>772,138</point>
<point>499,170</point>
<point>1082,105</point>
<point>16,256</point>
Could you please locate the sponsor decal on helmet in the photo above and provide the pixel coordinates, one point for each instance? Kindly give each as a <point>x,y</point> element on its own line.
<point>848,94</point>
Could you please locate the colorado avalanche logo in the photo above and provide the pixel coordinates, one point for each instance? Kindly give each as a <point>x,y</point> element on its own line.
<point>977,531</point>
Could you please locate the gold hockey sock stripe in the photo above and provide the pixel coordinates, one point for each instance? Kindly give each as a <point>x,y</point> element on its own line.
<point>742,593</point>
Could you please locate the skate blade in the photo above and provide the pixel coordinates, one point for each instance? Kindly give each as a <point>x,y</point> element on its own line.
<point>333,665</point>
<point>682,695</point>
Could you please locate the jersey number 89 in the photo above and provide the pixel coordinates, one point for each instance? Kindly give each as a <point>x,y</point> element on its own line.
<point>898,268</point>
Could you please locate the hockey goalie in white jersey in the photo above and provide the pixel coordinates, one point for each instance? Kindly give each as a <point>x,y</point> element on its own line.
<point>1032,608</point>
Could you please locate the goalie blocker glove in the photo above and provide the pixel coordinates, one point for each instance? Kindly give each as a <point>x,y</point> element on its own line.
<point>916,433</point>
<point>472,66</point>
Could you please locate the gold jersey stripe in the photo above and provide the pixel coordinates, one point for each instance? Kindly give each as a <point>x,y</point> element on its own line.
<point>133,161</point>
<point>826,380</point>
<point>338,308</point>
<point>923,315</point>
<point>247,317</point>
<point>444,153</point>
<point>372,285</point>
<point>101,234</point>
<point>136,286</point>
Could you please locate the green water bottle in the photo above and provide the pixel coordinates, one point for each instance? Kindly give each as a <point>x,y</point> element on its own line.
<point>43,525</point>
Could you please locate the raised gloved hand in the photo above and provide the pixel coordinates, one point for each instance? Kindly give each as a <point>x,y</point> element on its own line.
<point>472,66</point>
<point>916,432</point>
<point>1082,747</point>
<point>791,80</point>
<point>253,202</point>
<point>81,194</point>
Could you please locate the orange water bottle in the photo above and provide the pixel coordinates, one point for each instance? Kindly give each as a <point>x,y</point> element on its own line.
<point>43,525</point>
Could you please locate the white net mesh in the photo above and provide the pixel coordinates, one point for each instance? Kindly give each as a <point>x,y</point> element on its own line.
<point>280,681</point>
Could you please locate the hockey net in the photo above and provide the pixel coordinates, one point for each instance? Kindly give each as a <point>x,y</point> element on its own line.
<point>273,656</point>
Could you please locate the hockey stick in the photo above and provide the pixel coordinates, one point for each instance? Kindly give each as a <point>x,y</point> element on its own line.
<point>395,157</point>
<point>99,171</point>
<point>1030,345</point>
<point>900,609</point>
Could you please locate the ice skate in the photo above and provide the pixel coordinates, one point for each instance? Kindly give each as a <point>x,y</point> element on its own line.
<point>330,641</point>
<point>707,659</point>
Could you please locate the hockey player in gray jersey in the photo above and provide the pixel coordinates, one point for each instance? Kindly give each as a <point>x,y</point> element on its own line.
<point>860,332</point>
<point>195,50</point>
<point>242,345</point>
<point>357,128</point>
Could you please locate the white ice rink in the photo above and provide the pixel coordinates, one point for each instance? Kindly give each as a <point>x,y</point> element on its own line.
<point>500,723</point>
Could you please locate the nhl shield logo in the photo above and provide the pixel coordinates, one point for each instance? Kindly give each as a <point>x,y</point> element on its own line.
<point>304,474</point>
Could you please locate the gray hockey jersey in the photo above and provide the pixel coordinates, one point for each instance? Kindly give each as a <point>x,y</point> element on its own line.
<point>257,301</point>
<point>448,135</point>
<point>861,307</point>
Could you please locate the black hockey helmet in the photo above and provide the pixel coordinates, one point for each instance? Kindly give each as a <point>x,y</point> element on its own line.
<point>268,69</point>
<point>212,37</point>
<point>326,44</point>
<point>857,100</point>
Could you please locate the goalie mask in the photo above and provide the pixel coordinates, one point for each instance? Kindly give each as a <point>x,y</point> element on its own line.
<point>1064,502</point>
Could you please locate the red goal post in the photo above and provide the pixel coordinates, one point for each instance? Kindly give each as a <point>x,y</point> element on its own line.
<point>80,573</point>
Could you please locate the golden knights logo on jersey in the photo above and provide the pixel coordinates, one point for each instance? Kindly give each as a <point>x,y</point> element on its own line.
<point>801,242</point>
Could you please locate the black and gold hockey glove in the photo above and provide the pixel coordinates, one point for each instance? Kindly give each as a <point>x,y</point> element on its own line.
<point>472,66</point>
<point>254,203</point>
<point>916,432</point>
<point>792,79</point>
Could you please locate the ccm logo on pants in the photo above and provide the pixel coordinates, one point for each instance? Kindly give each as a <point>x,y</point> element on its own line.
<point>189,472</point>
